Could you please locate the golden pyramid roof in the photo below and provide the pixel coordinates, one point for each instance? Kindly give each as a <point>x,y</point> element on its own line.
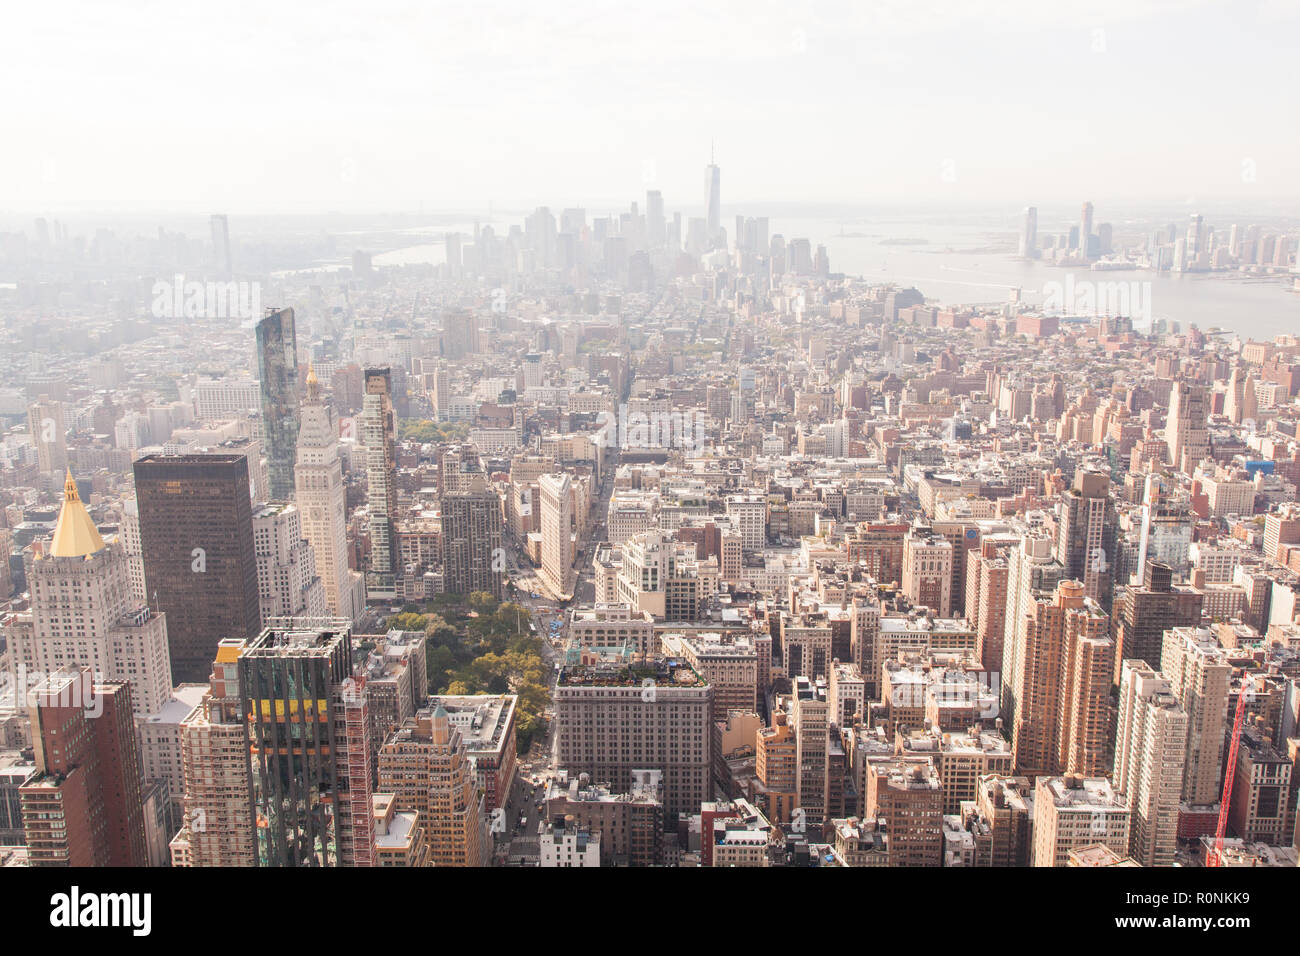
<point>75,535</point>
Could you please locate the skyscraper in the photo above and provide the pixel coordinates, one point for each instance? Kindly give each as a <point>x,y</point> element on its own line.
<point>986,599</point>
<point>309,739</point>
<point>1186,431</point>
<point>471,543</point>
<point>557,540</point>
<point>277,364</point>
<point>1143,612</point>
<point>1198,671</point>
<point>808,719</point>
<point>378,437</point>
<point>322,501</point>
<point>48,432</point>
<point>286,565</point>
<point>1029,233</point>
<point>928,570</point>
<point>1195,235</point>
<point>1085,228</point>
<point>196,540</point>
<point>712,201</point>
<point>1061,685</point>
<point>1031,569</point>
<point>1086,541</point>
<point>656,227</point>
<point>84,613</point>
<point>84,805</point>
<point>1149,756</point>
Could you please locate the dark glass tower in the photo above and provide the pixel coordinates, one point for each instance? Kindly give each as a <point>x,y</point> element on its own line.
<point>309,746</point>
<point>196,541</point>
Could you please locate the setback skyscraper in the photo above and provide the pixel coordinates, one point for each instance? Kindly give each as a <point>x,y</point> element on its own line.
<point>319,492</point>
<point>84,613</point>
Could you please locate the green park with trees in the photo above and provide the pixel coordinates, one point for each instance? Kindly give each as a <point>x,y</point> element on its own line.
<point>479,645</point>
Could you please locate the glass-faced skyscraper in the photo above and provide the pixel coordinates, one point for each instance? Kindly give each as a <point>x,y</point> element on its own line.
<point>309,747</point>
<point>277,365</point>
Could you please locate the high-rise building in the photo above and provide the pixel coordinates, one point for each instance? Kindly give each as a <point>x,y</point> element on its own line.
<point>656,227</point>
<point>749,517</point>
<point>1149,760</point>
<point>906,794</point>
<point>472,558</point>
<point>713,201</point>
<point>608,725</point>
<point>557,536</point>
<point>322,503</point>
<point>1262,810</point>
<point>286,565</point>
<point>218,828</point>
<point>83,612</point>
<point>928,571</point>
<point>1144,612</point>
<point>1186,430</point>
<point>440,394</point>
<point>310,746</point>
<point>1195,236</point>
<point>1031,569</point>
<point>1198,672</point>
<point>987,572</point>
<point>1282,528</point>
<point>426,766</point>
<point>1085,228</point>
<point>48,431</point>
<point>1060,689</point>
<point>196,539</point>
<point>277,365</point>
<point>130,539</point>
<point>809,720</point>
<point>1075,811</point>
<point>776,769</point>
<point>379,439</point>
<point>1240,402</point>
<point>84,806</point>
<point>1167,528</point>
<point>1087,534</point>
<point>1029,233</point>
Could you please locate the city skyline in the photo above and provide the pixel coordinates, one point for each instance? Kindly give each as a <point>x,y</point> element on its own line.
<point>898,468</point>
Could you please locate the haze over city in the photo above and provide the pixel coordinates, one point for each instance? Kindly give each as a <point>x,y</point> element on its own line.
<point>248,106</point>
<point>741,436</point>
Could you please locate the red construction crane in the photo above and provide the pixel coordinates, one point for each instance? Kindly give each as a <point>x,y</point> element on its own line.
<point>1215,857</point>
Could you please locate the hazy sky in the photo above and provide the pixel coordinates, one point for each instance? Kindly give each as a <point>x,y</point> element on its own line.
<point>267,105</point>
